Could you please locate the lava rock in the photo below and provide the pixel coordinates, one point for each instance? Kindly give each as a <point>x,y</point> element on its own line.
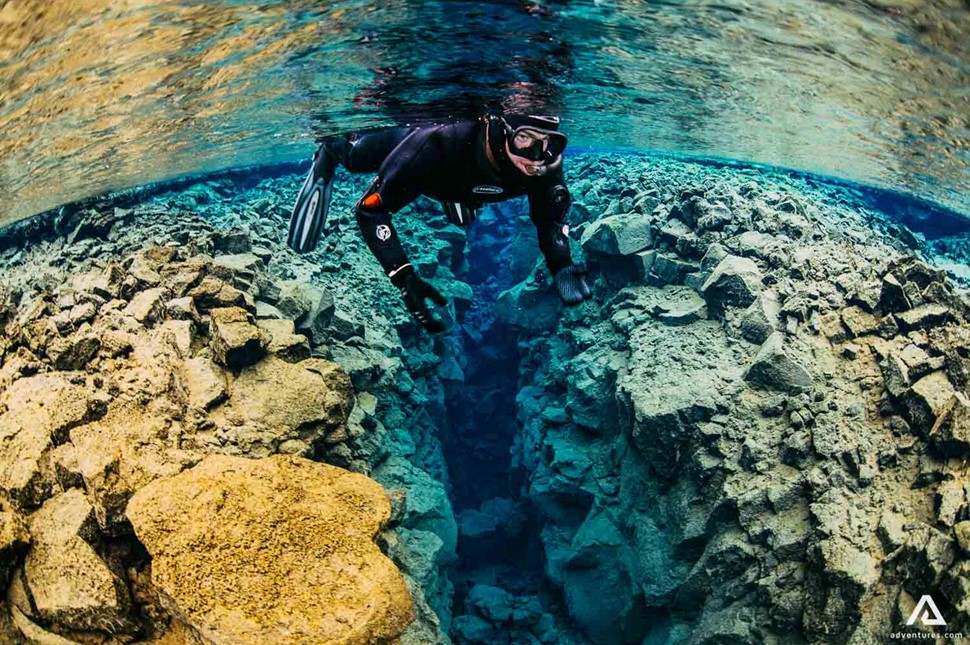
<point>213,293</point>
<point>735,281</point>
<point>487,533</point>
<point>618,235</point>
<point>311,307</point>
<point>923,317</point>
<point>760,319</point>
<point>236,341</point>
<point>951,431</point>
<point>205,383</point>
<point>148,306</point>
<point>183,309</point>
<point>74,352</point>
<point>344,327</point>
<point>670,269</point>
<point>240,268</point>
<point>306,525</point>
<point>773,369</point>
<point>531,308</point>
<point>70,584</point>
<point>859,322</point>
<point>39,411</point>
<point>926,400</point>
<point>284,341</point>
<point>892,296</point>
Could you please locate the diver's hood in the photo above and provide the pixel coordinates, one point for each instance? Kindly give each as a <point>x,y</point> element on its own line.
<point>532,138</point>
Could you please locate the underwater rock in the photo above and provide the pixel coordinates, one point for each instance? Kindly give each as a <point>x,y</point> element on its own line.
<point>75,352</point>
<point>859,322</point>
<point>922,317</point>
<point>951,430</point>
<point>530,308</point>
<point>344,327</point>
<point>618,235</point>
<point>601,559</point>
<point>925,401</point>
<point>427,507</point>
<point>236,340</point>
<point>69,583</point>
<point>275,401</point>
<point>205,383</point>
<point>667,269</point>
<point>734,281</point>
<point>669,388</point>
<point>14,539</point>
<point>760,319</point>
<point>210,526</point>
<point>284,341</point>
<point>148,307</point>
<point>39,411</point>
<point>892,297</point>
<point>310,307</point>
<point>773,369</point>
<point>486,532</point>
<point>213,293</point>
<point>118,454</point>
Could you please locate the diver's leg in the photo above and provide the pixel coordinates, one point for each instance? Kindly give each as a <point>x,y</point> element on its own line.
<point>357,152</point>
<point>366,151</point>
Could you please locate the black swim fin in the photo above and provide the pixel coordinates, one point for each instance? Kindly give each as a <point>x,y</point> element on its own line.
<point>312,204</point>
<point>459,214</point>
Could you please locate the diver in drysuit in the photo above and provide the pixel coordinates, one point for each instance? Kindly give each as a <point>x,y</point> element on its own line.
<point>463,165</point>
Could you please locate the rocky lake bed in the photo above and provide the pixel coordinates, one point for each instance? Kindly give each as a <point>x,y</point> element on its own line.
<point>755,432</point>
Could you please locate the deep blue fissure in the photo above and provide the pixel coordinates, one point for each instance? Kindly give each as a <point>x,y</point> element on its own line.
<point>483,426</point>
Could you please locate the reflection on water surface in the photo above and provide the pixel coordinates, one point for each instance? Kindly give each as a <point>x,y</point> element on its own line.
<point>98,95</point>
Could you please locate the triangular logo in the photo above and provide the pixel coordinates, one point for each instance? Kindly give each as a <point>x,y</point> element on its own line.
<point>927,612</point>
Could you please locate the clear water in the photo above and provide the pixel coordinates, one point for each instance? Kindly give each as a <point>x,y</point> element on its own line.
<point>98,95</point>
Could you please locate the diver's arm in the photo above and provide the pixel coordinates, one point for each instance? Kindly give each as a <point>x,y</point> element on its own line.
<point>397,185</point>
<point>548,205</point>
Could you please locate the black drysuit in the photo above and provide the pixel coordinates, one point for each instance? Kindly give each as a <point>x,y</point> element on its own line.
<point>448,163</point>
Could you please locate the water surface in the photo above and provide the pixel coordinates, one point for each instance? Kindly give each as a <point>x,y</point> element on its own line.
<point>98,95</point>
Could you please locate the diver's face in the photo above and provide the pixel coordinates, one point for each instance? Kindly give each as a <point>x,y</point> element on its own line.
<point>527,151</point>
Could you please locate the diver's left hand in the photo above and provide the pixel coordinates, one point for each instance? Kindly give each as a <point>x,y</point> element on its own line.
<point>415,292</point>
<point>571,285</point>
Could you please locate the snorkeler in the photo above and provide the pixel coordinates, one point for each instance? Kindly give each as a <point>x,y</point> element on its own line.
<point>463,165</point>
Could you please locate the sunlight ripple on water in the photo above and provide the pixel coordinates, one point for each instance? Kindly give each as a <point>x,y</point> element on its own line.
<point>98,95</point>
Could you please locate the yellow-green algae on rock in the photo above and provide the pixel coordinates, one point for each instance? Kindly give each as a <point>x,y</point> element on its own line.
<point>277,550</point>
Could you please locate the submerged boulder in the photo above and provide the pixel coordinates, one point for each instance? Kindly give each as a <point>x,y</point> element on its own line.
<point>68,581</point>
<point>276,402</point>
<point>39,412</point>
<point>277,550</point>
<point>734,281</point>
<point>773,369</point>
<point>309,306</point>
<point>529,307</point>
<point>951,431</point>
<point>618,235</point>
<point>236,340</point>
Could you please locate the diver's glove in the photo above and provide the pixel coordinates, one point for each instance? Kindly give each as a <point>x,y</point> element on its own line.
<point>571,285</point>
<point>414,292</point>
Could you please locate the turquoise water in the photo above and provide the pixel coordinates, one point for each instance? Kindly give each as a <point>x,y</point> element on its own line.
<point>96,96</point>
<point>534,512</point>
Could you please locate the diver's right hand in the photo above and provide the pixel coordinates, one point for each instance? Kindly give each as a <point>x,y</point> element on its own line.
<point>571,285</point>
<point>415,292</point>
